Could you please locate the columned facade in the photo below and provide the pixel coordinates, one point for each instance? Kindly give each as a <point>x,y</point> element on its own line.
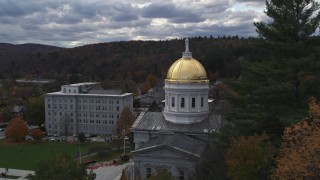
<point>186,103</point>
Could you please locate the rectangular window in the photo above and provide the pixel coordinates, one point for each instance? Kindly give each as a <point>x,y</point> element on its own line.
<point>193,102</point>
<point>201,101</point>
<point>182,103</point>
<point>148,172</point>
<point>172,101</point>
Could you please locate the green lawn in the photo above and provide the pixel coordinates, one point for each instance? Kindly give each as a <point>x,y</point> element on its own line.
<point>106,156</point>
<point>27,155</point>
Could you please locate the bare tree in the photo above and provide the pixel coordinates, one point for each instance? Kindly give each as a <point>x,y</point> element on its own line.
<point>66,120</point>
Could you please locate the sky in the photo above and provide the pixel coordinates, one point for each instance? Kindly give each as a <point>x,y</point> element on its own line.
<point>70,23</point>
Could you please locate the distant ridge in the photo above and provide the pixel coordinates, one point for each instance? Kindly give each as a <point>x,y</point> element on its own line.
<point>116,61</point>
<point>27,48</point>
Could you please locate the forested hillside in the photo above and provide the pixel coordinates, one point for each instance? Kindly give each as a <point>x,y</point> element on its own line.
<point>130,60</point>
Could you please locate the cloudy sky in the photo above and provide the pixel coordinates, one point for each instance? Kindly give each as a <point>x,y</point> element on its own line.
<point>69,23</point>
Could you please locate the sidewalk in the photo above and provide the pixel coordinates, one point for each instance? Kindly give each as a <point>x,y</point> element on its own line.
<point>16,172</point>
<point>110,172</point>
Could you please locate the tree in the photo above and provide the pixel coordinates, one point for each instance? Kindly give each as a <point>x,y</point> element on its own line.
<point>144,87</point>
<point>292,20</point>
<point>299,153</point>
<point>16,130</point>
<point>62,167</point>
<point>65,121</point>
<point>35,111</point>
<point>154,107</point>
<point>248,157</point>
<point>131,86</point>
<point>161,174</point>
<point>37,134</point>
<point>153,80</point>
<point>271,94</point>
<point>212,164</point>
<point>82,137</point>
<point>125,120</point>
<point>123,175</point>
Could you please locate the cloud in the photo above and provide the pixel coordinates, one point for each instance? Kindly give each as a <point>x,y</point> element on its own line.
<point>73,22</point>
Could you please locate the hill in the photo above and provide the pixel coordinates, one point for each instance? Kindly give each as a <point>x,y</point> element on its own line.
<point>10,54</point>
<point>125,60</point>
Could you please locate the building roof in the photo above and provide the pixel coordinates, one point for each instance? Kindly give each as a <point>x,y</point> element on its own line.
<point>102,91</point>
<point>87,94</point>
<point>82,84</point>
<point>187,144</point>
<point>155,121</point>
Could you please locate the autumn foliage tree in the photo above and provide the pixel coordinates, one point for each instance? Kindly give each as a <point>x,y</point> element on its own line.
<point>247,157</point>
<point>17,129</point>
<point>161,174</point>
<point>153,80</point>
<point>299,155</point>
<point>125,120</point>
<point>144,87</point>
<point>37,134</point>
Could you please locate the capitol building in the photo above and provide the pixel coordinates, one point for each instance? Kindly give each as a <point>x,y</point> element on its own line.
<point>175,138</point>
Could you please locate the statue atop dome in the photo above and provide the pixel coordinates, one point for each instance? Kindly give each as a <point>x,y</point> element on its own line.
<point>187,45</point>
<point>187,54</point>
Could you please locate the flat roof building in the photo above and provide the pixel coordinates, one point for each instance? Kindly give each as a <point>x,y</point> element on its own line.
<point>84,107</point>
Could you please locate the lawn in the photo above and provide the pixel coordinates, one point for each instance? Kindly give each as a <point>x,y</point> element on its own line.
<point>106,156</point>
<point>27,155</point>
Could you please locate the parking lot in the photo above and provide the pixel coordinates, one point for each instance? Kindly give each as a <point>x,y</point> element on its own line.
<point>75,138</point>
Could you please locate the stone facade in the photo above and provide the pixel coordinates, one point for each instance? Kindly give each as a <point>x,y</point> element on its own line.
<point>178,153</point>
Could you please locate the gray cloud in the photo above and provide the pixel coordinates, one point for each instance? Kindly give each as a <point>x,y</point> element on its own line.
<point>72,23</point>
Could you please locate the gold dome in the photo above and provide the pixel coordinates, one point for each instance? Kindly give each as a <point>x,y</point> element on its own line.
<point>186,70</point>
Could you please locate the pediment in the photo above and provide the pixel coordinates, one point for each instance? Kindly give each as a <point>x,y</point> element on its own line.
<point>163,152</point>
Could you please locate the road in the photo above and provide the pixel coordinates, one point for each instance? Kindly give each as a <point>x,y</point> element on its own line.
<point>110,172</point>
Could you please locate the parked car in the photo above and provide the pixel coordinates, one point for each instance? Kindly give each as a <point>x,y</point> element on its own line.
<point>29,138</point>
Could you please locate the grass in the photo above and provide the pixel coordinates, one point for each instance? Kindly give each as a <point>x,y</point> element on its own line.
<point>12,177</point>
<point>106,156</point>
<point>27,155</point>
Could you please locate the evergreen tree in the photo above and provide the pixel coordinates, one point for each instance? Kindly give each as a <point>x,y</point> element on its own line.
<point>292,20</point>
<point>272,93</point>
<point>35,111</point>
